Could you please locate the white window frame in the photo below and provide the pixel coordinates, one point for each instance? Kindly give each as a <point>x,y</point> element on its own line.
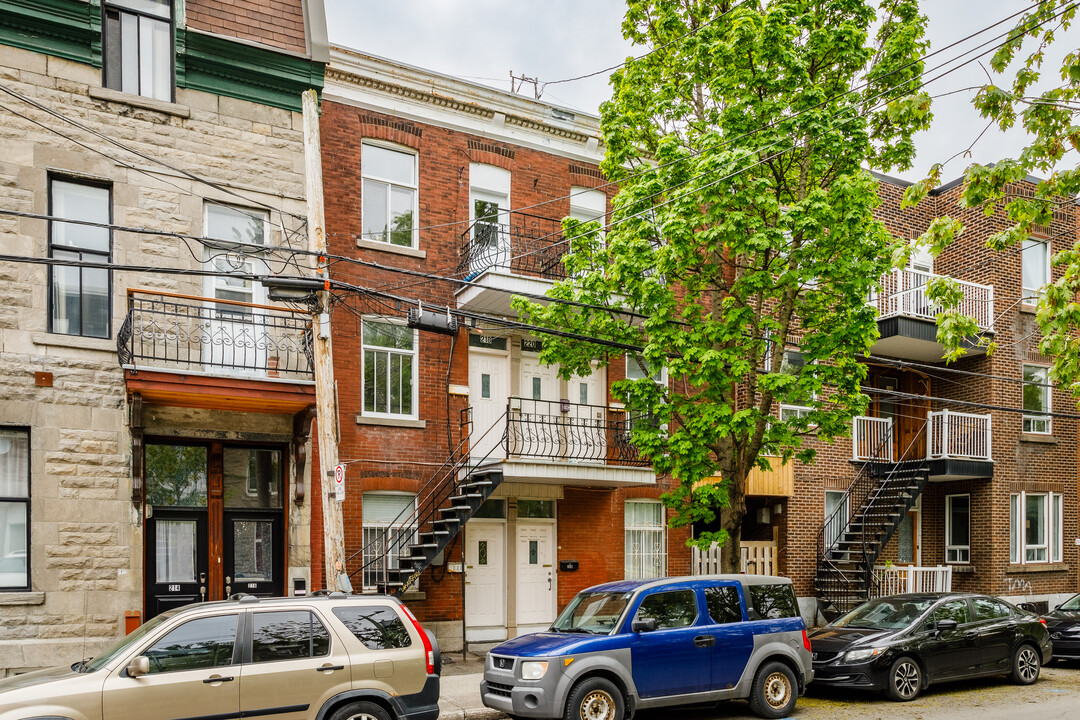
<point>415,353</point>
<point>790,411</point>
<point>1038,423</point>
<point>365,525</point>
<point>1031,295</point>
<point>634,565</point>
<point>660,378</point>
<point>956,554</point>
<point>834,533</point>
<point>1053,533</point>
<point>415,187</point>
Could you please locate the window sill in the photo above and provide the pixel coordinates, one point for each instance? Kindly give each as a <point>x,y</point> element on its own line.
<point>1037,438</point>
<point>1029,309</point>
<point>963,569</point>
<point>109,95</point>
<point>391,422</point>
<point>1038,568</point>
<point>387,247</point>
<point>77,342</point>
<point>22,597</point>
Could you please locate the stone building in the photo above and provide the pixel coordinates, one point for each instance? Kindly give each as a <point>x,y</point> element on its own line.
<point>152,423</point>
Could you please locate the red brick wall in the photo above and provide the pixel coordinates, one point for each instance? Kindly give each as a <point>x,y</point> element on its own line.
<point>279,23</point>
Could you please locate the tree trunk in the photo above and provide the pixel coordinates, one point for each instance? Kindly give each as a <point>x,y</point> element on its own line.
<point>731,518</point>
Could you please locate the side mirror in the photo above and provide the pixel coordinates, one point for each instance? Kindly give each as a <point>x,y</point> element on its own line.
<point>945,625</point>
<point>646,625</point>
<point>1030,607</point>
<point>138,666</point>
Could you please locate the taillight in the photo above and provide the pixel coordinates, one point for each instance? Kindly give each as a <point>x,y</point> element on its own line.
<point>806,641</point>
<point>1043,621</point>
<point>429,652</point>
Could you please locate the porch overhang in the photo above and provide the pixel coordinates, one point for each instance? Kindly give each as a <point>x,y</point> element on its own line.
<point>574,474</point>
<point>206,392</point>
<point>492,290</point>
<point>947,469</point>
<point>914,339</point>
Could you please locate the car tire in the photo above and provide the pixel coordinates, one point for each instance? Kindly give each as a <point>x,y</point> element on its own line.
<point>774,692</point>
<point>905,680</point>
<point>1026,665</point>
<point>595,699</point>
<point>360,711</point>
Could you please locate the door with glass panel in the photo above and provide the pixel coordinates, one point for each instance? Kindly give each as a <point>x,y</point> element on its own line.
<point>491,230</point>
<point>177,552</point>
<point>253,518</point>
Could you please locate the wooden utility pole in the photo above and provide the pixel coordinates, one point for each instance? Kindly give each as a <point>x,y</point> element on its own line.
<point>325,395</point>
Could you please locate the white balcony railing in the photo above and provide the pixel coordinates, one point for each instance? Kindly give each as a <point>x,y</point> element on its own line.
<point>872,438</point>
<point>910,579</point>
<point>903,292</point>
<point>958,436</point>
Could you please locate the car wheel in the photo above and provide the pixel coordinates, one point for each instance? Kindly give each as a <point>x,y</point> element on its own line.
<point>360,711</point>
<point>905,680</point>
<point>1025,665</point>
<point>774,692</point>
<point>595,699</point>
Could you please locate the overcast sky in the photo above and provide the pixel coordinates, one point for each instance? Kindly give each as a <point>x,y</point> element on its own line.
<point>484,40</point>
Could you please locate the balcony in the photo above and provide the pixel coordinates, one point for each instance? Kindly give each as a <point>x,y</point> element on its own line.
<point>906,316</point>
<point>222,354</point>
<point>520,253</point>
<point>776,482</point>
<point>957,445</point>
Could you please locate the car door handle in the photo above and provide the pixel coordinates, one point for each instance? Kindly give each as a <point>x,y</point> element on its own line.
<point>217,679</point>
<point>704,641</point>
<point>970,635</point>
<point>326,668</point>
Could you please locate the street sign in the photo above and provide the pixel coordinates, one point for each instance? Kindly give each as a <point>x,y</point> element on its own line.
<point>339,482</point>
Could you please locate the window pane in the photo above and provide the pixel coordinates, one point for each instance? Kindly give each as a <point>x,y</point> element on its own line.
<point>1035,394</point>
<point>388,335</point>
<point>954,610</point>
<point>395,383</point>
<point>14,464</point>
<point>536,508</point>
<point>155,62</point>
<point>774,601</point>
<point>252,477</point>
<point>959,520</point>
<point>369,381</point>
<point>253,550</point>
<point>1034,262</point>
<point>13,541</point>
<point>287,636</point>
<point>80,202</point>
<point>382,361</point>
<point>401,216</point>
<point>95,299</point>
<point>235,225</point>
<point>1035,520</point>
<point>674,609</point>
<point>723,604</point>
<point>1056,519</point>
<point>161,8</point>
<point>113,60</point>
<point>388,164</point>
<point>989,609</point>
<point>129,33</point>
<point>375,221</point>
<point>176,475</point>
<point>1014,528</point>
<point>378,628</point>
<point>175,550</point>
<point>196,645</point>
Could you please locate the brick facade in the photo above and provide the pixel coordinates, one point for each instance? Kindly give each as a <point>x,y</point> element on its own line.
<point>279,23</point>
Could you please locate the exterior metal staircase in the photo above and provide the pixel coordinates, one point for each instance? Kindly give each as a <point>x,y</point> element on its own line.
<point>849,543</point>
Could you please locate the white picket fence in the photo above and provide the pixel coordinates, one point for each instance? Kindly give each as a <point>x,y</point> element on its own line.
<point>758,558</point>
<point>909,579</point>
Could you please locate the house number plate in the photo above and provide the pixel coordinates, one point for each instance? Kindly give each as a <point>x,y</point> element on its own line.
<point>252,586</point>
<point>174,588</point>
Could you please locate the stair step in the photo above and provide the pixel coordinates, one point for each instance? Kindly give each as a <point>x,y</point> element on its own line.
<point>465,496</point>
<point>448,510</point>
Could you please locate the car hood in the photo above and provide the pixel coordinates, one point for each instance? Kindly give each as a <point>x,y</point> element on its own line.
<point>38,677</point>
<point>830,639</point>
<point>1062,618</point>
<point>553,643</point>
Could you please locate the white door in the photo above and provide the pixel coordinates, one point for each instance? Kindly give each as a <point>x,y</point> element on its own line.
<point>491,230</point>
<point>488,391</point>
<point>535,576</point>
<point>536,423</point>
<point>586,431</point>
<point>485,576</point>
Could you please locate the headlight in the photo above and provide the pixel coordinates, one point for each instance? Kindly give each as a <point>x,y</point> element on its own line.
<point>854,656</point>
<point>532,670</point>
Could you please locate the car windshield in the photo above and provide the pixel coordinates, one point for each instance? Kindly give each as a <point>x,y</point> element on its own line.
<point>102,659</point>
<point>885,613</point>
<point>592,612</point>
<point>1072,603</point>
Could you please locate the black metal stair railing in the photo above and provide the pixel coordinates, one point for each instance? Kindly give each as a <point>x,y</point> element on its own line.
<point>572,432</point>
<point>514,241</point>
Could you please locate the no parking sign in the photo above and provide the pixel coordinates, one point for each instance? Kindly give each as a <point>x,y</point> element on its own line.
<point>339,482</point>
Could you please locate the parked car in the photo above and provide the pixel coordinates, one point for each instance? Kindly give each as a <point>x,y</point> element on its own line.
<point>636,644</point>
<point>334,656</point>
<point>1063,623</point>
<point>902,643</point>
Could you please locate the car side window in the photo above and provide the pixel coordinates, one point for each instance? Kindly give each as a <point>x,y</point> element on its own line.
<point>287,635</point>
<point>673,609</point>
<point>195,645</point>
<point>989,609</point>
<point>774,601</point>
<point>723,604</point>
<point>953,610</point>
<point>377,627</point>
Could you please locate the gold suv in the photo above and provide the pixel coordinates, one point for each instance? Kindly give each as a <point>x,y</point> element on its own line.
<point>329,657</point>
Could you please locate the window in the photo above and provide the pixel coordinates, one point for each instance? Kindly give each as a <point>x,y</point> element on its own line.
<point>288,635</point>
<point>634,371</point>
<point>79,300</point>
<point>953,610</point>
<point>791,363</point>
<point>957,528</point>
<point>195,645</point>
<point>1035,527</point>
<point>377,627</point>
<point>645,551</point>
<point>1036,400</point>
<point>389,369</point>
<point>387,518</point>
<point>774,600</point>
<point>233,224</point>
<point>138,47</point>
<point>536,509</point>
<point>588,206</point>
<point>389,195</point>
<point>14,509</point>
<point>989,609</point>
<point>723,604</point>
<point>837,514</point>
<point>670,610</point>
<point>1035,262</point>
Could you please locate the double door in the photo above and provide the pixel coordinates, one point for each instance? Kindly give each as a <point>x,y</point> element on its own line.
<point>215,523</point>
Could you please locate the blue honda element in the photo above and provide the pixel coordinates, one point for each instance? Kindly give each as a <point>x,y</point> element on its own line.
<point>634,644</point>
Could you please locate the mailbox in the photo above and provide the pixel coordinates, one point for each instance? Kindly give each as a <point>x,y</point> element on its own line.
<point>568,565</point>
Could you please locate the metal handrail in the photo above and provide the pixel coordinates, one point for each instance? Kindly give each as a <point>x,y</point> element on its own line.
<point>562,430</point>
<point>523,243</point>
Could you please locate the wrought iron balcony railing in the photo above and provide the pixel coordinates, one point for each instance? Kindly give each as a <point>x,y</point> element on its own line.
<point>517,242</point>
<point>169,331</point>
<point>561,430</point>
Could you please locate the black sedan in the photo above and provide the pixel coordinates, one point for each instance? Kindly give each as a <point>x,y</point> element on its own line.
<point>1064,626</point>
<point>903,643</point>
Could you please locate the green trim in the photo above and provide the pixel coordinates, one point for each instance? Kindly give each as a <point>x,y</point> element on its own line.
<point>223,67</point>
<point>70,29</point>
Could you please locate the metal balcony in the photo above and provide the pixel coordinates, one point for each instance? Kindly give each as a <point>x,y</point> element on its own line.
<point>958,445</point>
<point>569,432</point>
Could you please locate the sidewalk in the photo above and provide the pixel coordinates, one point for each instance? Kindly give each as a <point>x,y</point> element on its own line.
<point>460,683</point>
